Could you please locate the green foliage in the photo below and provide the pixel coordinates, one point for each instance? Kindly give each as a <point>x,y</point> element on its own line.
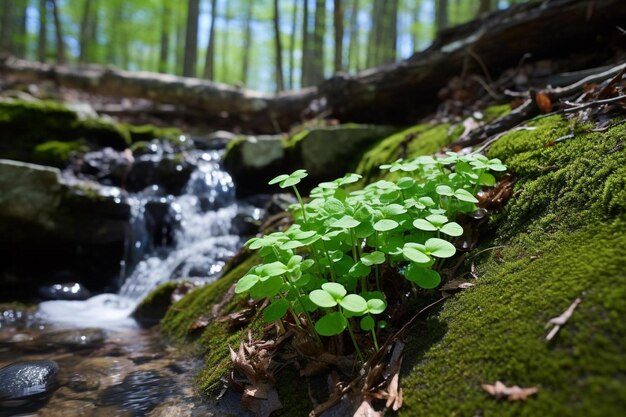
<point>328,262</point>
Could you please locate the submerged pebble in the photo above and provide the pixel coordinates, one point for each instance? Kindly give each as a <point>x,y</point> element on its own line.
<point>23,383</point>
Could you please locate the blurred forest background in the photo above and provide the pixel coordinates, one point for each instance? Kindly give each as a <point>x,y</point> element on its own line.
<point>268,45</point>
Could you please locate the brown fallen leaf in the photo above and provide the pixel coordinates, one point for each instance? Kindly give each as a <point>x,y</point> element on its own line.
<point>514,393</point>
<point>200,323</point>
<point>543,102</point>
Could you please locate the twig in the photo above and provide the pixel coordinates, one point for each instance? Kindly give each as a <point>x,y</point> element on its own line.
<point>562,319</point>
<point>594,103</point>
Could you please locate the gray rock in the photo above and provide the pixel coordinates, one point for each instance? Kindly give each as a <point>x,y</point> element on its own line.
<point>69,291</point>
<point>24,382</point>
<point>66,225</point>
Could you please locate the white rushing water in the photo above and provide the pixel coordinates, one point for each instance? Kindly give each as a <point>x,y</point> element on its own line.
<point>195,248</point>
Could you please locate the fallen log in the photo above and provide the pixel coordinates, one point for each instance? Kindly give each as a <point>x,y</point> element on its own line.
<point>395,94</point>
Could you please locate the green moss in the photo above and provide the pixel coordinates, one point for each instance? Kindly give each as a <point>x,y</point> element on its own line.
<point>146,133</point>
<point>564,236</point>
<point>497,111</point>
<point>155,305</point>
<point>29,124</point>
<point>56,153</point>
<point>212,342</point>
<point>422,139</point>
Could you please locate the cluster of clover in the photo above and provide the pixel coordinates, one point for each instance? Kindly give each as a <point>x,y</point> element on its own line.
<point>331,258</point>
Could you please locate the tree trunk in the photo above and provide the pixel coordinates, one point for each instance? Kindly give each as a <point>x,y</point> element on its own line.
<point>42,43</point>
<point>306,47</point>
<point>19,39</point>
<point>191,39</point>
<point>318,61</point>
<point>58,31</point>
<point>209,60</point>
<point>292,44</point>
<point>278,50</point>
<point>6,31</point>
<point>247,42</point>
<point>374,42</point>
<point>180,38</point>
<point>92,35</point>
<point>164,49</point>
<point>441,14</point>
<point>225,53</point>
<point>84,31</point>
<point>353,47</point>
<point>484,7</point>
<point>338,23</point>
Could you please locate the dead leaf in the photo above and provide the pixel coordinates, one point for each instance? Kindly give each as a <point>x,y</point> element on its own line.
<point>200,323</point>
<point>366,410</point>
<point>560,321</point>
<point>514,393</point>
<point>543,102</point>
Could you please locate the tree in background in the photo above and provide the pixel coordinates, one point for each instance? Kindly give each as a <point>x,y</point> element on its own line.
<point>58,32</point>
<point>42,39</point>
<point>338,25</point>
<point>191,39</point>
<point>278,52</point>
<point>317,43</point>
<point>209,62</point>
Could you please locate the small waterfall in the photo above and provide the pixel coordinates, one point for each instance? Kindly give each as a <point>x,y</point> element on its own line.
<point>187,236</point>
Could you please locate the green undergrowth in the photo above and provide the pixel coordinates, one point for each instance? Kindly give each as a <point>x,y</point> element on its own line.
<point>212,341</point>
<point>563,236</point>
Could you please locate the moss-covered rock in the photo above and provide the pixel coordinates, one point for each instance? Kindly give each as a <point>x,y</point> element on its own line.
<point>36,131</point>
<point>155,305</point>
<point>562,236</point>
<point>325,152</point>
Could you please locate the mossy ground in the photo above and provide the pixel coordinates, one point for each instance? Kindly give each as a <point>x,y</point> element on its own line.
<point>213,341</point>
<point>563,237</point>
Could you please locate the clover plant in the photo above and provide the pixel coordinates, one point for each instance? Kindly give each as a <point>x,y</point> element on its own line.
<point>328,265</point>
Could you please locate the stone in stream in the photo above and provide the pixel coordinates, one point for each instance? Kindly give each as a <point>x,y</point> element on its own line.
<point>27,383</point>
<point>139,393</point>
<point>70,291</point>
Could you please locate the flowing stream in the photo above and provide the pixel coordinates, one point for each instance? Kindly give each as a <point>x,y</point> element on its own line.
<point>107,364</point>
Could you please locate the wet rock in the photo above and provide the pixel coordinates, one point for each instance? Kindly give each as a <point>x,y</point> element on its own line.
<point>170,172</point>
<point>215,141</point>
<point>106,166</point>
<point>68,339</point>
<point>139,393</point>
<point>247,220</point>
<point>65,225</point>
<point>155,305</point>
<point>70,291</point>
<point>161,221</point>
<point>23,383</point>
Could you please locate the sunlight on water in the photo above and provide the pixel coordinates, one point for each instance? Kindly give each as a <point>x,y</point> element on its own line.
<point>201,243</point>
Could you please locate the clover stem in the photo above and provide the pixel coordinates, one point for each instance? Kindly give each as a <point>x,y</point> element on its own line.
<point>293,314</point>
<point>333,275</point>
<point>375,340</point>
<point>354,253</point>
<point>309,322</point>
<point>477,185</point>
<point>376,266</point>
<point>295,189</point>
<point>356,346</point>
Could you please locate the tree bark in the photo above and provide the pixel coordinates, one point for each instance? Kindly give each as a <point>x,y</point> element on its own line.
<point>306,47</point>
<point>42,43</point>
<point>317,51</point>
<point>209,62</point>
<point>247,42</point>
<point>191,39</point>
<point>441,14</point>
<point>6,29</point>
<point>278,50</point>
<point>164,49</point>
<point>338,23</point>
<point>292,44</point>
<point>58,31</point>
<point>84,31</point>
